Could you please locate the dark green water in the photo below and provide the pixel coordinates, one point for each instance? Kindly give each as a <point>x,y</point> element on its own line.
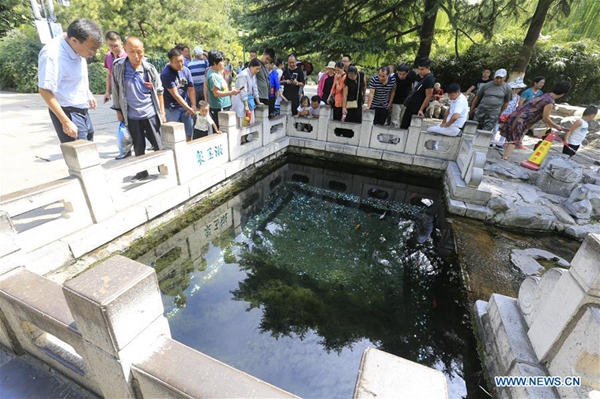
<point>291,282</point>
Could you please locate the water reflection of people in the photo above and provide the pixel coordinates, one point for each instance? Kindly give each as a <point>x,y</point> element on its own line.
<point>424,221</point>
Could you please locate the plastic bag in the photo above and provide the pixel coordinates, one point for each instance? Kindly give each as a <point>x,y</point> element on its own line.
<point>124,139</point>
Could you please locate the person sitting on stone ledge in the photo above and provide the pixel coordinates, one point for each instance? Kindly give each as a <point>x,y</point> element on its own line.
<point>457,115</point>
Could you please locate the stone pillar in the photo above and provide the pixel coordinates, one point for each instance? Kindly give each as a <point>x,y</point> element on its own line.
<point>383,375</point>
<point>228,124</point>
<point>261,113</point>
<point>560,310</point>
<point>325,116</point>
<point>84,162</point>
<point>119,313</point>
<point>366,128</point>
<point>173,136</point>
<point>469,129</point>
<point>414,131</point>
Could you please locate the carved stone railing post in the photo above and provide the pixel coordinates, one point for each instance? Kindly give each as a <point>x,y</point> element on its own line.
<point>119,312</point>
<point>173,135</point>
<point>84,162</point>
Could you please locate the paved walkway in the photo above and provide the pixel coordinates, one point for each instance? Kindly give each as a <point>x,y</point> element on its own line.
<point>29,148</point>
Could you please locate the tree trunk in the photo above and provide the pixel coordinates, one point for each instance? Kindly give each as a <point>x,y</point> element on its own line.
<point>427,29</point>
<point>533,33</point>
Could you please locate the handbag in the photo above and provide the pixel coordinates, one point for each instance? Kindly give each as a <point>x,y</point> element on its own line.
<point>354,104</point>
<point>251,103</point>
<point>411,94</point>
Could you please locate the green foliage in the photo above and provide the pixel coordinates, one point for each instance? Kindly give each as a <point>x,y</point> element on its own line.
<point>161,24</point>
<point>577,62</point>
<point>18,60</point>
<point>97,77</point>
<point>13,13</point>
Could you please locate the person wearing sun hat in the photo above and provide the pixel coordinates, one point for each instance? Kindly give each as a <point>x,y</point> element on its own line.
<point>326,81</point>
<point>491,100</point>
<point>517,85</point>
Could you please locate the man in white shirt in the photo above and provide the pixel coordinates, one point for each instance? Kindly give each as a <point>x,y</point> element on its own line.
<point>457,115</point>
<point>63,79</point>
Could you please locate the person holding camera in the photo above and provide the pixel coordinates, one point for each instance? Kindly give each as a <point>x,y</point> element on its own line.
<point>292,80</point>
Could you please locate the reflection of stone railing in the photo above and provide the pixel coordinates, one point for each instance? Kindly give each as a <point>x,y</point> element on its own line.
<point>551,329</point>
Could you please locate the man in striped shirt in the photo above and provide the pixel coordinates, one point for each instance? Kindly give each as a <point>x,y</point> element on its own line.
<point>381,95</point>
<point>198,67</point>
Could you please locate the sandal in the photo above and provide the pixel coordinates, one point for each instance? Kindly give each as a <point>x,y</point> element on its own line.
<point>505,158</point>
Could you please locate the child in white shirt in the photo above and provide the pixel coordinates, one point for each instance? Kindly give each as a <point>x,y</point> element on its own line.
<point>576,134</point>
<point>204,123</point>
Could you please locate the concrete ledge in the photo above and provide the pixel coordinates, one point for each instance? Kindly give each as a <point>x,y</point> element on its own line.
<point>165,372</point>
<point>411,380</point>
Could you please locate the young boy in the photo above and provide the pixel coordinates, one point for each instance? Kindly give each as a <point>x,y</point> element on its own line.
<point>576,134</point>
<point>204,122</point>
<point>315,106</point>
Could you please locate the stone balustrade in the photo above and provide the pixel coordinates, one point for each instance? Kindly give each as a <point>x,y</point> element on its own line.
<point>551,329</point>
<point>60,221</point>
<point>106,331</point>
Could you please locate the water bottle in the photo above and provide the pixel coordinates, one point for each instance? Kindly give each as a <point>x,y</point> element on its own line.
<point>344,117</point>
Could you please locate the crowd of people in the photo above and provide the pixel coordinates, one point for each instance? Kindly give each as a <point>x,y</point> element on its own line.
<point>195,86</point>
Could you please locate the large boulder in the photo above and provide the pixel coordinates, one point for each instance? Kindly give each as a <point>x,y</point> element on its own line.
<point>559,176</point>
<point>529,217</point>
<point>585,196</point>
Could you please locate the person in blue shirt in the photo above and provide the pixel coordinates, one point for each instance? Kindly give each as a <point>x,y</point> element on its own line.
<point>179,96</point>
<point>533,91</point>
<point>275,87</point>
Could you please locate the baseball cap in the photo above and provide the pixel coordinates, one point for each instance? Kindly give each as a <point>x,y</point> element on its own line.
<point>198,50</point>
<point>500,73</point>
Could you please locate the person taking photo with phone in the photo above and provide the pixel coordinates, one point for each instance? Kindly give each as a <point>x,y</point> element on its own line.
<point>292,80</point>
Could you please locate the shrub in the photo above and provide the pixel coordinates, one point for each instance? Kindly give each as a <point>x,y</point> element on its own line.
<point>577,62</point>
<point>18,60</point>
<point>97,77</point>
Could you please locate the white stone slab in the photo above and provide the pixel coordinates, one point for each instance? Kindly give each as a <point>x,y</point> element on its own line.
<point>383,375</point>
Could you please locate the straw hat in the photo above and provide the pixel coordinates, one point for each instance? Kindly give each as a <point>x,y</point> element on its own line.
<point>331,65</point>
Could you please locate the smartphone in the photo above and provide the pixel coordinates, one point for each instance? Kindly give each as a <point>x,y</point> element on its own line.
<point>242,88</point>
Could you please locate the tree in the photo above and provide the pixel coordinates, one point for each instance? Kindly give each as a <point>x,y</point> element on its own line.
<point>161,24</point>
<point>13,14</point>
<point>331,27</point>
<point>427,30</point>
<point>533,32</point>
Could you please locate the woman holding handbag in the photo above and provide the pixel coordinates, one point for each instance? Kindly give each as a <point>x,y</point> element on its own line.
<point>351,105</point>
<point>245,104</point>
<point>336,97</point>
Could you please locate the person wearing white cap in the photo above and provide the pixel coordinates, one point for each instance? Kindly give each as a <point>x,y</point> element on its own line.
<point>491,100</point>
<point>198,67</point>
<point>326,82</point>
<point>516,87</point>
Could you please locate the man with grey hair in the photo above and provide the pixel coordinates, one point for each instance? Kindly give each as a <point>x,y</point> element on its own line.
<point>63,79</point>
<point>138,98</point>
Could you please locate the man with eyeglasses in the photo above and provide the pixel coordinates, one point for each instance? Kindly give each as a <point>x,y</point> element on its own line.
<point>63,79</point>
<point>116,51</point>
